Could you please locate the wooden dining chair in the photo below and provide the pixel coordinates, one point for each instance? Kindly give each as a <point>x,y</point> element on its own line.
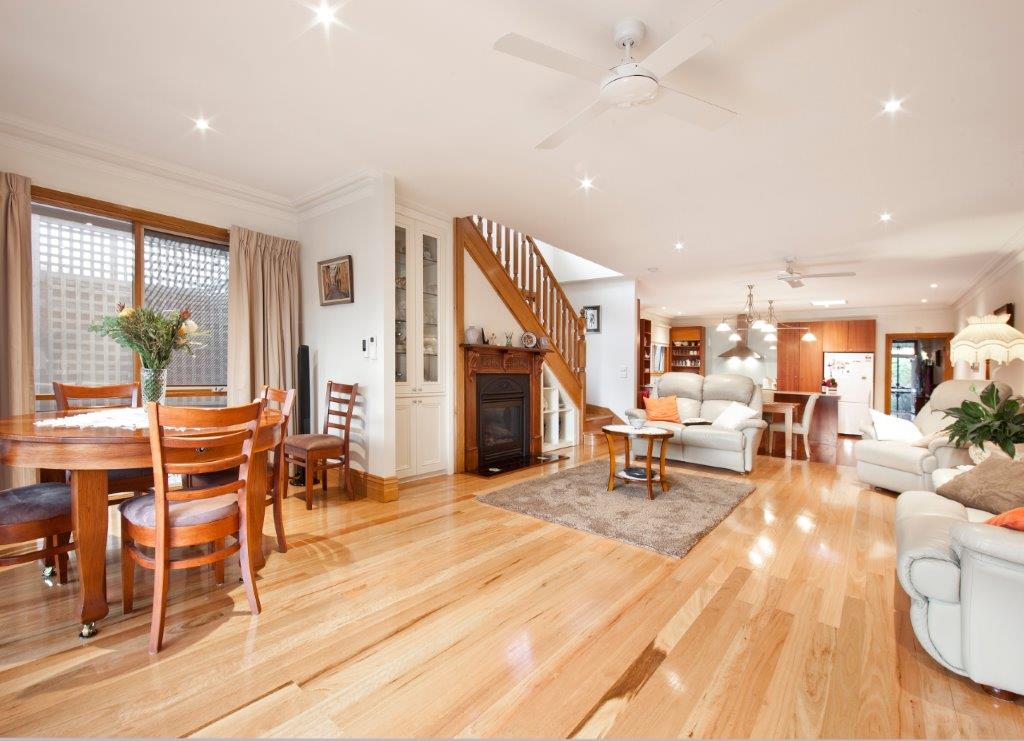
<point>186,441</point>
<point>38,512</point>
<point>318,453</point>
<point>277,469</point>
<point>128,480</point>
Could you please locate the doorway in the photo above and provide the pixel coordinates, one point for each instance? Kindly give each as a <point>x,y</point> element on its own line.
<point>915,363</point>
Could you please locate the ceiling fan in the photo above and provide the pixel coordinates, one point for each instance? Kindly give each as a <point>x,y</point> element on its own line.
<point>796,279</point>
<point>630,83</point>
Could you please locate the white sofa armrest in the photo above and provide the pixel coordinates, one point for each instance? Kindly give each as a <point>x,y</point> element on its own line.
<point>867,432</point>
<point>636,414</point>
<point>748,424</point>
<point>924,550</point>
<point>988,540</point>
<point>940,442</point>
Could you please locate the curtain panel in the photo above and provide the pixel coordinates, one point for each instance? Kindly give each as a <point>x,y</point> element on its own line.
<point>263,313</point>
<point>17,383</point>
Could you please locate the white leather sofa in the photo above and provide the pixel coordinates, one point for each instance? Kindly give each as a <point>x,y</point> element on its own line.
<point>707,397</point>
<point>965,580</point>
<point>900,466</point>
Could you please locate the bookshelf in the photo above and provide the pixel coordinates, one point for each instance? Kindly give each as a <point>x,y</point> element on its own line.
<point>687,350</point>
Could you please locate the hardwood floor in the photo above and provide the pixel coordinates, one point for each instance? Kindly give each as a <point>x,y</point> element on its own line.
<point>439,616</point>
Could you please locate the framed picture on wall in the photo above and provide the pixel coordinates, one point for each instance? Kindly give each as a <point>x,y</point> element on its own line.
<point>591,319</point>
<point>335,279</point>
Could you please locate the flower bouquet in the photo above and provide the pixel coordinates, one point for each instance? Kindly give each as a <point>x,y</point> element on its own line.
<point>154,335</point>
<point>829,386</point>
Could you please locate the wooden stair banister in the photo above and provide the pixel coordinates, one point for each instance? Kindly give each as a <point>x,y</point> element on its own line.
<point>515,268</point>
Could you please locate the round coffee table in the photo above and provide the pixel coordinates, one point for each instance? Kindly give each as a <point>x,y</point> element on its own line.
<point>629,473</point>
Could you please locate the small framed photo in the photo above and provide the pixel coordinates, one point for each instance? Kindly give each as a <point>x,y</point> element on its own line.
<point>335,279</point>
<point>592,319</point>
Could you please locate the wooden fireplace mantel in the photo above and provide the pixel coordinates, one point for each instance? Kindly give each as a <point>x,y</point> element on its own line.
<point>500,359</point>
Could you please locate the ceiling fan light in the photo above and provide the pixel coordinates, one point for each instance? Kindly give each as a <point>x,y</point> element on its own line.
<point>808,336</point>
<point>629,85</point>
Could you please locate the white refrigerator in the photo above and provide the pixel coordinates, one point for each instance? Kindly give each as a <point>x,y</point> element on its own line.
<point>855,374</point>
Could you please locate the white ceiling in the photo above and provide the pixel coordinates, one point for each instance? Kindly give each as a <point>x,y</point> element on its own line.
<point>414,88</point>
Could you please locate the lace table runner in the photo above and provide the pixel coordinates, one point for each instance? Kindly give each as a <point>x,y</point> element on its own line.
<point>127,418</point>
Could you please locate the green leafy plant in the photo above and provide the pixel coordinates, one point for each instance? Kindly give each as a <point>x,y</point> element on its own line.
<point>987,420</point>
<point>154,335</point>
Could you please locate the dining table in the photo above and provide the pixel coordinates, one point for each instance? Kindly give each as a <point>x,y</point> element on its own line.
<point>84,455</point>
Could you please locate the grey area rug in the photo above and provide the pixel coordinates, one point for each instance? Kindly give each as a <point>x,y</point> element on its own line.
<point>579,498</point>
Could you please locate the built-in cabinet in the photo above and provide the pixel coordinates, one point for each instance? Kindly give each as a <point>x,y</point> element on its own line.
<point>422,344</point>
<point>801,362</point>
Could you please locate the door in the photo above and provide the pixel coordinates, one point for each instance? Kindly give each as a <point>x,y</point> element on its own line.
<point>405,437</point>
<point>428,428</point>
<point>404,306</point>
<point>430,302</point>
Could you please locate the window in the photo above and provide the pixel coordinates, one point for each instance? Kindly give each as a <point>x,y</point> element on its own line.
<point>85,263</point>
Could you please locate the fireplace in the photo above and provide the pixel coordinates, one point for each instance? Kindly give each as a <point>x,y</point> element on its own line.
<point>503,420</point>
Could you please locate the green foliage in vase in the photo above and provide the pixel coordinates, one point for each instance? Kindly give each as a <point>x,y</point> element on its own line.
<point>988,420</point>
<point>154,335</point>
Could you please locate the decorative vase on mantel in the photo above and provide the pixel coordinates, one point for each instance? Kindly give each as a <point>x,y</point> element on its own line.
<point>154,385</point>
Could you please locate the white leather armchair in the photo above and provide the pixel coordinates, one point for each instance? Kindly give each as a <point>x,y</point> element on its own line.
<point>965,580</point>
<point>900,466</point>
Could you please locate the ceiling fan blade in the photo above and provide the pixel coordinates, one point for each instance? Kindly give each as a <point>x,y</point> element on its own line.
<point>574,124</point>
<point>829,275</point>
<point>693,110</point>
<point>547,56</point>
<point>713,19</point>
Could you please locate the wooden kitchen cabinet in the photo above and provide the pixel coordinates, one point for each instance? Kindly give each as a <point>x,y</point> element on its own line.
<point>801,364</point>
<point>861,336</point>
<point>835,336</point>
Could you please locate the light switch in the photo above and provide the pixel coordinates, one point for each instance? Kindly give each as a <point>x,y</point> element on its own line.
<point>623,371</point>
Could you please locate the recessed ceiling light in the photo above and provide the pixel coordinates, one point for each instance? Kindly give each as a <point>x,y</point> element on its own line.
<point>924,301</point>
<point>885,217</point>
<point>202,124</point>
<point>586,183</point>
<point>934,285</point>
<point>652,270</point>
<point>680,246</point>
<point>325,15</point>
<point>664,308</point>
<point>893,105</point>
<point>679,313</point>
<point>827,303</point>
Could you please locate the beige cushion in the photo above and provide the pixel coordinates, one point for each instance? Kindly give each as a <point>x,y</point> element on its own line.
<point>305,443</point>
<point>140,510</point>
<point>995,485</point>
<point>716,438</point>
<point>34,503</point>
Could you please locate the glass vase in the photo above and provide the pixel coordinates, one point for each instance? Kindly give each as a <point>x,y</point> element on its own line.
<point>154,385</point>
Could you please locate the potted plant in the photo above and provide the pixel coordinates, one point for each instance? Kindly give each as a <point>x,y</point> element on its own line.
<point>154,335</point>
<point>987,425</point>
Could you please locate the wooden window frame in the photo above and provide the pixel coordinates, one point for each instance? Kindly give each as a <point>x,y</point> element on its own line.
<point>141,220</point>
<point>947,366</point>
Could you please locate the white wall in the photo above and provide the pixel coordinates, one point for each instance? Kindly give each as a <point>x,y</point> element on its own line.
<point>612,351</point>
<point>184,197</point>
<point>1003,285</point>
<point>361,225</point>
<point>483,307</point>
<point>568,266</point>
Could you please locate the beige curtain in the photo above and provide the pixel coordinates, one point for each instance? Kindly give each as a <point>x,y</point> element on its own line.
<point>17,392</point>
<point>263,313</point>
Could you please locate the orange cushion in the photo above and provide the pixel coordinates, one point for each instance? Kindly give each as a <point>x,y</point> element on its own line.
<point>1014,519</point>
<point>663,409</point>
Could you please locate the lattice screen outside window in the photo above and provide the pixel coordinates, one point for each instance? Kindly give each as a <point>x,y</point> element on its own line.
<point>83,265</point>
<point>189,273</point>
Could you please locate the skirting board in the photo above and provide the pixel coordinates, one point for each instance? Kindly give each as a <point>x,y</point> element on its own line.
<point>377,488</point>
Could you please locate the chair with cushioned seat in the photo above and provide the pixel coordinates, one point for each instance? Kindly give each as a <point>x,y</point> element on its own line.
<point>801,428</point>
<point>319,453</point>
<point>128,480</point>
<point>38,512</point>
<point>277,469</point>
<point>187,441</point>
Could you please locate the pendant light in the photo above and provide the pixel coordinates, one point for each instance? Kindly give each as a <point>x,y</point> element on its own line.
<point>808,336</point>
<point>771,323</point>
<point>735,337</point>
<point>723,326</point>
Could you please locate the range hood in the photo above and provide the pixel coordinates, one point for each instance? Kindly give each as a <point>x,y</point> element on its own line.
<point>741,349</point>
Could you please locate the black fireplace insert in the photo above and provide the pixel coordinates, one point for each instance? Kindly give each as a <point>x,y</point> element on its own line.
<point>503,421</point>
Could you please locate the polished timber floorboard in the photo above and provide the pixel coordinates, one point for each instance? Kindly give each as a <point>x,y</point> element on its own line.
<point>440,616</point>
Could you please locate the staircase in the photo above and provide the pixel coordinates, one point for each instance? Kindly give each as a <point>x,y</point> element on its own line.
<point>519,274</point>
<point>597,417</point>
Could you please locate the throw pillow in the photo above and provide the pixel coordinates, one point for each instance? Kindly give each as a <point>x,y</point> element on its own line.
<point>733,415</point>
<point>1014,519</point>
<point>888,427</point>
<point>662,409</point>
<point>995,485</point>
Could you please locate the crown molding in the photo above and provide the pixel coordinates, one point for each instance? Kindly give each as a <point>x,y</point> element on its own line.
<point>1013,255</point>
<point>59,143</point>
<point>338,193</point>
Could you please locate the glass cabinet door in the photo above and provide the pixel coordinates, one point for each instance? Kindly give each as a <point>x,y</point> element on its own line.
<point>402,293</point>
<point>429,255</point>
